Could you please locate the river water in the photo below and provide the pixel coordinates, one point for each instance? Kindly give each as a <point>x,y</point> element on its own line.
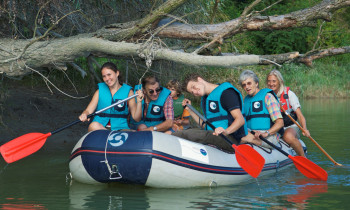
<point>39,181</point>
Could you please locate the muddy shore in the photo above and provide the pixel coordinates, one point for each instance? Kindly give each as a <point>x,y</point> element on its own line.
<point>26,110</point>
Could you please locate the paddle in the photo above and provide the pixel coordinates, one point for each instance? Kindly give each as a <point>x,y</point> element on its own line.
<point>248,158</point>
<point>314,141</point>
<point>304,165</point>
<point>27,144</point>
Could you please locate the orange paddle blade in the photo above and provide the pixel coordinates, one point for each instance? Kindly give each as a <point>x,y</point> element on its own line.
<point>309,168</point>
<point>23,146</point>
<point>249,159</point>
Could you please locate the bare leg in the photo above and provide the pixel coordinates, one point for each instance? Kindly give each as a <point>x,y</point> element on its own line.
<point>96,126</point>
<point>168,132</point>
<point>141,127</point>
<point>250,138</point>
<point>289,136</point>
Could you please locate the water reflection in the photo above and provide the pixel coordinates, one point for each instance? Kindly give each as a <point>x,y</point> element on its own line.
<point>18,205</point>
<point>305,191</point>
<point>39,181</point>
<point>118,196</point>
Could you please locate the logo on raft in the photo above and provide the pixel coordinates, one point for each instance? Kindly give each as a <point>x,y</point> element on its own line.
<point>203,152</point>
<point>117,139</point>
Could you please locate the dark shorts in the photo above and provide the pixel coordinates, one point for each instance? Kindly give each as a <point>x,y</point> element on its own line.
<point>206,137</point>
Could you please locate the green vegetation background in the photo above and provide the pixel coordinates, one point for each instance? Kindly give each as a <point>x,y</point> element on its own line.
<point>328,77</point>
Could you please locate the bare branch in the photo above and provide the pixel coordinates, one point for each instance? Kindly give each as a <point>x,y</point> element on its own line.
<point>37,39</point>
<point>47,81</point>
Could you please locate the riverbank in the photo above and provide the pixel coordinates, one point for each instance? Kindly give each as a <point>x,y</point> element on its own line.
<point>25,110</point>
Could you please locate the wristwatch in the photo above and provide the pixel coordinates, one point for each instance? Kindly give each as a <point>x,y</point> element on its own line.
<point>154,128</point>
<point>268,132</point>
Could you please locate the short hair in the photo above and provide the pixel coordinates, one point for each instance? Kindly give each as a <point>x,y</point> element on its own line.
<point>193,77</point>
<point>113,67</point>
<point>174,83</point>
<point>278,74</point>
<point>246,74</point>
<point>149,80</point>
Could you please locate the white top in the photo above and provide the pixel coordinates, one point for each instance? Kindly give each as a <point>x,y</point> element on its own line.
<point>293,100</point>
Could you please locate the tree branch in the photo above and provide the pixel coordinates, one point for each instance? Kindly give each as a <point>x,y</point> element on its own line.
<point>302,18</point>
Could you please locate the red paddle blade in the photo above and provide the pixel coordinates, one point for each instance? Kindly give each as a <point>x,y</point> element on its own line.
<point>23,146</point>
<point>249,159</point>
<point>309,168</point>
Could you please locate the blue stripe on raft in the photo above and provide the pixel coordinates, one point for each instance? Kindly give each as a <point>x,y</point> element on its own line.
<point>171,159</point>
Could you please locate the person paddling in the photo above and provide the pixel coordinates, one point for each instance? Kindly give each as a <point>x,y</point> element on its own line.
<point>111,91</point>
<point>290,103</point>
<point>261,111</point>
<point>222,106</point>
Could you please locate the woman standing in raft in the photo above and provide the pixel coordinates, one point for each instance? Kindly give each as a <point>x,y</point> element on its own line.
<point>109,92</point>
<point>290,103</point>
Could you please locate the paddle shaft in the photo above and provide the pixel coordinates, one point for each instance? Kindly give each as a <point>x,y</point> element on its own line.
<point>29,143</point>
<point>93,114</point>
<point>304,165</point>
<point>271,144</point>
<point>208,123</point>
<point>247,157</point>
<point>314,141</point>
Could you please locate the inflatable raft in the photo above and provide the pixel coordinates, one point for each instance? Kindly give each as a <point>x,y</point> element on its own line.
<point>163,161</point>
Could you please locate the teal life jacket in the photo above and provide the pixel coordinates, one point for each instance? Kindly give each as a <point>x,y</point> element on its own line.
<point>155,113</point>
<point>213,110</point>
<point>117,115</point>
<point>255,111</point>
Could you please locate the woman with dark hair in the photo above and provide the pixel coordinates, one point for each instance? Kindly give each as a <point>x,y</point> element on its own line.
<point>109,92</point>
<point>290,103</point>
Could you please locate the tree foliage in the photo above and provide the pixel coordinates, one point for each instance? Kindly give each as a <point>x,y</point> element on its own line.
<point>43,34</point>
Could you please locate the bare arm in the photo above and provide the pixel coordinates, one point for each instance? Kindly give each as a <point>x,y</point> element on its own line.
<point>275,114</point>
<point>90,108</point>
<point>193,115</point>
<point>135,108</point>
<point>302,122</point>
<point>276,126</point>
<point>164,126</point>
<point>236,124</point>
<point>184,121</point>
<point>169,117</point>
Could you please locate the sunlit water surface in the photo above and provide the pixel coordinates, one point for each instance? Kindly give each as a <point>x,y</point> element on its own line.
<point>39,181</point>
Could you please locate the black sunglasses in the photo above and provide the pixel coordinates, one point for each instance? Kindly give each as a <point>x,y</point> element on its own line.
<point>157,90</point>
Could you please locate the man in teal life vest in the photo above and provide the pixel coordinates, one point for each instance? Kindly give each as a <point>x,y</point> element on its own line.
<point>157,106</point>
<point>261,111</point>
<point>222,105</point>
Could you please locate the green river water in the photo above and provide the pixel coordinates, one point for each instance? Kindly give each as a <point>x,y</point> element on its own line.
<point>39,181</point>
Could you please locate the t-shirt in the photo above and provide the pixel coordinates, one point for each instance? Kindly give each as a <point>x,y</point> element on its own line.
<point>293,100</point>
<point>230,100</point>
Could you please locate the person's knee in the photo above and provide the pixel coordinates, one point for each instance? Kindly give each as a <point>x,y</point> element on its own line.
<point>168,132</point>
<point>248,138</point>
<point>290,138</point>
<point>95,126</point>
<point>141,127</point>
